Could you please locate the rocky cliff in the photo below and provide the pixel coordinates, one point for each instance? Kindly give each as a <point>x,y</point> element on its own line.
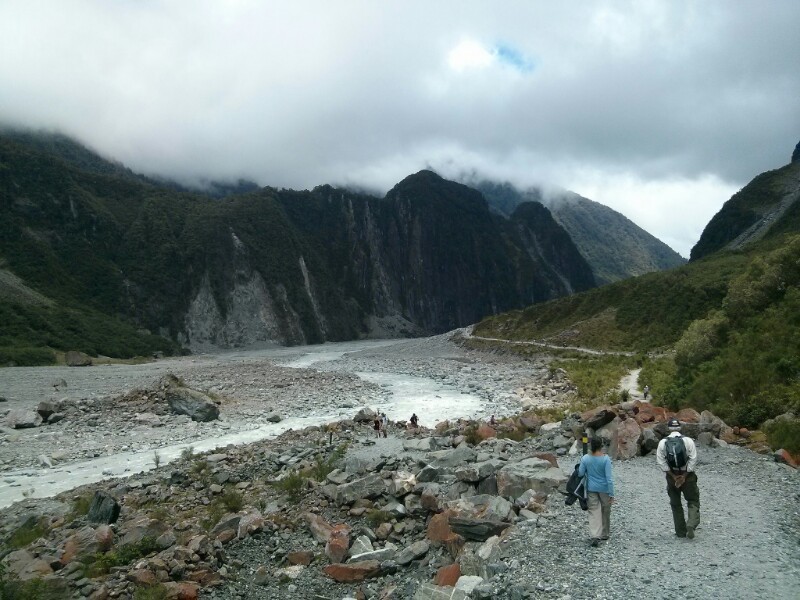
<point>271,265</point>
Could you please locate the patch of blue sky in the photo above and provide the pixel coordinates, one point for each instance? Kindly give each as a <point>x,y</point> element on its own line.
<point>512,57</point>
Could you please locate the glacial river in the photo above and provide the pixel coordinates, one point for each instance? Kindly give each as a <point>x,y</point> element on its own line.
<point>407,394</point>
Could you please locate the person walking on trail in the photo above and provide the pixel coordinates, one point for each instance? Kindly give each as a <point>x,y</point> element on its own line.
<point>385,424</point>
<point>597,467</point>
<point>646,391</point>
<point>677,457</point>
<point>414,420</point>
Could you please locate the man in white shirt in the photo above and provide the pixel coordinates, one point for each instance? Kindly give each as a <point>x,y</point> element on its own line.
<point>681,479</point>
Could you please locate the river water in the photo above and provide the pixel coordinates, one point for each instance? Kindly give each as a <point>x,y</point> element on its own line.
<point>431,399</point>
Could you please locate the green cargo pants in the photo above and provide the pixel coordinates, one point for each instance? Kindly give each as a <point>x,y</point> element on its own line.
<point>691,492</point>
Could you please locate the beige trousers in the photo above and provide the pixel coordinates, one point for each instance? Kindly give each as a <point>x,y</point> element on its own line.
<point>599,515</point>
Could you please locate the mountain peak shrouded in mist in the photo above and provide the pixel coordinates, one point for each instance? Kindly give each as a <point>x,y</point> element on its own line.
<point>796,153</point>
<point>614,246</point>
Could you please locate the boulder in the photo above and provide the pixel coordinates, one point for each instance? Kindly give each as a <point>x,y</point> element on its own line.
<point>473,473</point>
<point>355,571</point>
<point>103,509</point>
<point>625,437</point>
<point>196,405</point>
<point>361,545</point>
<point>45,409</point>
<point>494,508</point>
<point>251,522</point>
<point>447,575</point>
<point>181,590</point>
<point>477,529</point>
<point>319,527</point>
<point>86,542</point>
<point>449,459</point>
<point>142,528</point>
<point>370,486</point>
<point>401,483</point>
<point>784,456</point>
<point>300,557</point>
<point>75,358</point>
<point>529,474</point>
<point>688,415</point>
<point>419,444</point>
<point>365,415</point>
<point>649,440</point>
<point>338,543</point>
<point>388,552</point>
<point>24,566</point>
<point>149,419</point>
<point>598,417</point>
<point>531,424</point>
<point>414,551</point>
<point>428,473</point>
<point>21,418</point>
<point>647,413</point>
<point>274,418</point>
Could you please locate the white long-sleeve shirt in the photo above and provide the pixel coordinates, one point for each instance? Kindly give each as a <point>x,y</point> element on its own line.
<point>691,452</point>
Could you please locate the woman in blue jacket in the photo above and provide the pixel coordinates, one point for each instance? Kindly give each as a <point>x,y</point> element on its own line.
<point>597,467</point>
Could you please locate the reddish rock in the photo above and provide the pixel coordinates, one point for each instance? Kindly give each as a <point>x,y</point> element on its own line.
<point>319,527</point>
<point>448,575</point>
<point>182,590</point>
<point>357,571</point>
<point>338,543</point>
<point>440,534</point>
<point>625,440</point>
<point>226,536</point>
<point>598,417</point>
<point>647,413</point>
<point>785,457</point>
<point>688,415</point>
<point>205,577</point>
<point>86,541</point>
<point>144,577</point>
<point>744,432</point>
<point>300,557</point>
<point>485,432</point>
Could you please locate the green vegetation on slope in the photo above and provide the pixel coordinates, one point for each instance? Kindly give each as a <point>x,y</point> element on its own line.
<point>640,314</point>
<point>732,319</point>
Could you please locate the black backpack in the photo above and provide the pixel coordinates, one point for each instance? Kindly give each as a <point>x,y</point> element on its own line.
<point>675,451</point>
<point>576,490</point>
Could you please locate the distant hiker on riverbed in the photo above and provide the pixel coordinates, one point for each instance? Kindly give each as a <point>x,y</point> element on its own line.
<point>384,424</point>
<point>646,391</point>
<point>597,466</point>
<point>414,420</point>
<point>676,455</point>
<point>376,425</point>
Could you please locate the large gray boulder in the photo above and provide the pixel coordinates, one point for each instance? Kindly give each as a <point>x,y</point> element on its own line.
<point>365,415</point>
<point>450,459</point>
<point>74,358</point>
<point>23,419</point>
<point>186,401</point>
<point>370,486</point>
<point>530,474</point>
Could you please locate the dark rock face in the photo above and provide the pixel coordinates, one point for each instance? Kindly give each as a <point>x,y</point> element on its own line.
<point>103,509</point>
<point>796,153</point>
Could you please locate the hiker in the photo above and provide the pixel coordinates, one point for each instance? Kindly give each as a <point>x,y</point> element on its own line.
<point>376,425</point>
<point>384,424</point>
<point>492,421</point>
<point>677,457</point>
<point>597,467</point>
<point>646,391</point>
<point>414,419</point>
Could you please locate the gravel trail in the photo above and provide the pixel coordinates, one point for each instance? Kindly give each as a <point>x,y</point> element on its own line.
<point>746,545</point>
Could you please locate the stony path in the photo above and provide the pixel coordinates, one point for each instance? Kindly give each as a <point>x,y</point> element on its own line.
<point>746,546</point>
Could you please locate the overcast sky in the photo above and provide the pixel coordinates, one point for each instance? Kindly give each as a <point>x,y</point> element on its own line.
<point>660,110</point>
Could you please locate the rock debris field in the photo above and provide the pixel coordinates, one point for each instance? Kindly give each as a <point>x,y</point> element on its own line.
<point>272,546</point>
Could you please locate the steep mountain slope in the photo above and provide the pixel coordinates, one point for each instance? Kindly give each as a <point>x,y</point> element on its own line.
<point>614,246</point>
<point>268,266</point>
<point>755,212</point>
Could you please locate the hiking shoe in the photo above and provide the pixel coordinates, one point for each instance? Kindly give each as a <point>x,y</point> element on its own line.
<point>690,533</point>
<point>594,543</point>
<point>681,535</point>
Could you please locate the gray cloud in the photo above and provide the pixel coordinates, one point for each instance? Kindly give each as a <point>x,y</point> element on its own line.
<point>658,108</point>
